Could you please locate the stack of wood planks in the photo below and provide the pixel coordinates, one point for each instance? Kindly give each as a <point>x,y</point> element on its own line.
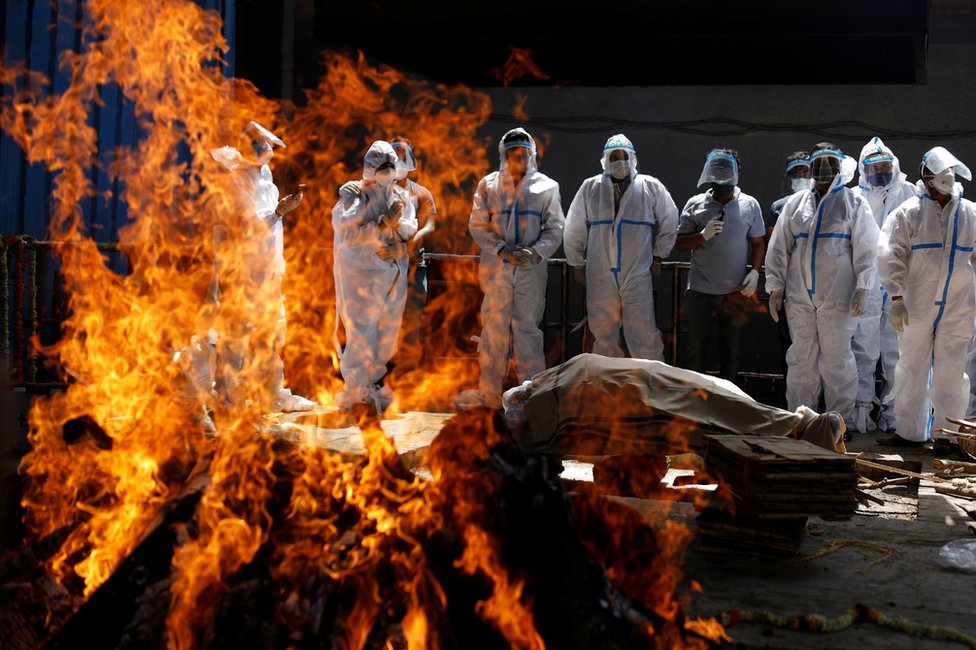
<point>774,485</point>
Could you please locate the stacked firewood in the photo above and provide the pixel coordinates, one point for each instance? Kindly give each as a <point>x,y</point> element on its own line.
<point>774,485</point>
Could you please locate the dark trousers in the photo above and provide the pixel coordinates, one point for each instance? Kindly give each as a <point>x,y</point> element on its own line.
<point>715,318</point>
<point>784,338</point>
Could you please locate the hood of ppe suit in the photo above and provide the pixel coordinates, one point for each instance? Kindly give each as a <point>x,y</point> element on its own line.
<point>721,168</point>
<point>227,156</point>
<point>378,153</point>
<point>406,164</point>
<point>877,150</point>
<point>521,139</point>
<point>621,143</point>
<point>938,159</point>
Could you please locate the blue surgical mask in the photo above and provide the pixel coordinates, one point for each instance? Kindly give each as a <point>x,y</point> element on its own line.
<point>881,179</point>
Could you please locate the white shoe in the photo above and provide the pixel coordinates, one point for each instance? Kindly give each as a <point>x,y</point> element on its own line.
<point>288,402</point>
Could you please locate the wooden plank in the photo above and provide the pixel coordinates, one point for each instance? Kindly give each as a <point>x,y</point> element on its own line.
<point>412,433</point>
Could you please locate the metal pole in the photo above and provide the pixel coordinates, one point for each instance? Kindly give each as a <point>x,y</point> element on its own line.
<point>565,312</point>
<point>675,306</point>
<point>4,307</point>
<point>32,274</point>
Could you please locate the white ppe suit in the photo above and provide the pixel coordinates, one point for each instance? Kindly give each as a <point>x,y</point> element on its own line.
<point>528,216</point>
<point>925,255</point>
<point>265,270</point>
<point>370,291</point>
<point>874,337</point>
<point>822,249</point>
<point>617,248</point>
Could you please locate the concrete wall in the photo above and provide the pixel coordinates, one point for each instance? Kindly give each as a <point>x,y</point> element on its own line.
<point>780,119</point>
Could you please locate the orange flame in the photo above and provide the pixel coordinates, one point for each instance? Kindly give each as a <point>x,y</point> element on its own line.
<point>353,105</point>
<point>519,64</point>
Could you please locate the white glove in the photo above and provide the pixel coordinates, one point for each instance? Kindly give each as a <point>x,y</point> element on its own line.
<point>712,228</point>
<point>508,254</point>
<point>750,283</point>
<point>352,188</point>
<point>775,304</point>
<point>527,255</point>
<point>858,302</point>
<point>898,317</point>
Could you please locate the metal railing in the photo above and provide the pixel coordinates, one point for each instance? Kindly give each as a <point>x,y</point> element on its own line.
<point>25,262</point>
<point>674,276</point>
<point>23,313</point>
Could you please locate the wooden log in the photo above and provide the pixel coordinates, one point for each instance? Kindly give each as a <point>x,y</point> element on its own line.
<point>956,466</point>
<point>100,622</point>
<point>956,491</point>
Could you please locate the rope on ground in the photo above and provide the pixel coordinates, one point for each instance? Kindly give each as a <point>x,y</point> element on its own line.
<point>885,550</point>
<point>857,614</point>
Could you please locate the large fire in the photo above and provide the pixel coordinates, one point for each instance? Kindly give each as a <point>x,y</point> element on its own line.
<point>365,528</point>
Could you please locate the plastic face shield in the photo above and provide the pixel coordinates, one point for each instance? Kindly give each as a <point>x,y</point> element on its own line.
<point>720,168</point>
<point>879,169</point>
<point>514,139</point>
<point>798,168</point>
<point>938,160</point>
<point>407,162</point>
<point>825,165</point>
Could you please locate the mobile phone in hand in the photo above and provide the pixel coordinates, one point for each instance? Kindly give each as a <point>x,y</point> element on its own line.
<point>300,188</point>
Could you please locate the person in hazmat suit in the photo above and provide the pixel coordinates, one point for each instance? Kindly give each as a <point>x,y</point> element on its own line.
<point>371,231</point>
<point>884,186</point>
<point>620,226</point>
<point>822,262</point>
<point>926,262</point>
<point>517,221</point>
<point>253,179</point>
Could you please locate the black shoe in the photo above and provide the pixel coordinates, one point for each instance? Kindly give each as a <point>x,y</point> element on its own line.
<point>942,448</point>
<point>894,440</point>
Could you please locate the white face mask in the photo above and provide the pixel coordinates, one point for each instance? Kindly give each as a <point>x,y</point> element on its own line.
<point>385,177</point>
<point>943,182</point>
<point>620,169</point>
<point>800,184</point>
